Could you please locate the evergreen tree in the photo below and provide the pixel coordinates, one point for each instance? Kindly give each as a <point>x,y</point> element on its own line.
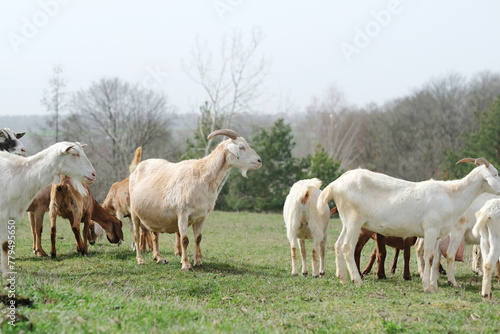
<point>267,188</point>
<point>199,145</point>
<point>323,166</point>
<point>484,143</point>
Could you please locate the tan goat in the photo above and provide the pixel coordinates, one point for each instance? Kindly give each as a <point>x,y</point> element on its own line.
<point>169,197</point>
<point>117,203</point>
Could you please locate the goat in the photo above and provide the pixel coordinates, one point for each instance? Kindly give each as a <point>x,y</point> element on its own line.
<point>380,253</point>
<point>477,260</point>
<point>488,228</point>
<point>22,178</point>
<point>303,222</point>
<point>36,211</point>
<point>462,231</point>
<point>395,207</point>
<point>117,203</point>
<point>169,197</point>
<point>68,203</point>
<point>9,142</point>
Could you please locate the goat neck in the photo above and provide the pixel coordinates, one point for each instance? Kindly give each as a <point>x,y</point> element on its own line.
<point>214,167</point>
<point>464,191</point>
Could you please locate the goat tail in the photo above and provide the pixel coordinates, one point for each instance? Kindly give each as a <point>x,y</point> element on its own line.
<point>136,160</point>
<point>481,220</point>
<point>305,187</point>
<point>323,199</point>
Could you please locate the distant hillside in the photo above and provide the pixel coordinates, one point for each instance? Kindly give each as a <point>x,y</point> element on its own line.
<point>22,123</point>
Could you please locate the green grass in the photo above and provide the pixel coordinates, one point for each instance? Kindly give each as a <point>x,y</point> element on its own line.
<point>244,286</point>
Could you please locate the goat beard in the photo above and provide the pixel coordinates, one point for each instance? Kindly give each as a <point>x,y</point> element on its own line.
<point>244,173</point>
<point>79,186</point>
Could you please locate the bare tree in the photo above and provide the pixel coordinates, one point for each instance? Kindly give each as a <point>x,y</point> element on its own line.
<point>114,118</point>
<point>234,82</point>
<point>336,125</point>
<point>55,99</point>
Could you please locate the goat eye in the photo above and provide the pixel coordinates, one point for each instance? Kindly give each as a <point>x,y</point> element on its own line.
<point>242,148</point>
<point>76,154</point>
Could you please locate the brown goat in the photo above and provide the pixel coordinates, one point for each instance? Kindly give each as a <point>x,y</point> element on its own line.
<point>36,211</point>
<point>380,252</point>
<point>117,203</point>
<point>68,203</point>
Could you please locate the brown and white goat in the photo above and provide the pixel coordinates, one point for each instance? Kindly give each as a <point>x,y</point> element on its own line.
<point>68,203</point>
<point>117,203</point>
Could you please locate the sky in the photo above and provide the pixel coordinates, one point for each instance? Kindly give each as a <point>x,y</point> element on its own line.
<point>373,51</point>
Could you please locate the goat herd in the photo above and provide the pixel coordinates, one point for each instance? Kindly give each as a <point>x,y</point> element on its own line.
<point>164,197</point>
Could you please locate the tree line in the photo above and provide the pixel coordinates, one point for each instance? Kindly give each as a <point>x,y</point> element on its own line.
<point>416,137</point>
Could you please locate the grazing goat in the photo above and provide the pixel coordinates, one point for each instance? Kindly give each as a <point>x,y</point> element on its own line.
<point>303,222</point>
<point>169,197</point>
<point>68,203</point>
<point>395,207</point>
<point>9,142</point>
<point>488,228</point>
<point>22,179</point>
<point>380,253</point>
<point>117,203</point>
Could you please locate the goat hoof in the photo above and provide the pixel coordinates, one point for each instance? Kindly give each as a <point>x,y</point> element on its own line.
<point>140,261</point>
<point>186,269</point>
<point>488,297</point>
<point>305,274</point>
<point>380,276</point>
<point>315,276</point>
<point>322,274</point>
<point>407,278</point>
<point>53,255</point>
<point>295,274</point>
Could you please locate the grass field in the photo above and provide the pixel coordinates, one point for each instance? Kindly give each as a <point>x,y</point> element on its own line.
<point>244,286</point>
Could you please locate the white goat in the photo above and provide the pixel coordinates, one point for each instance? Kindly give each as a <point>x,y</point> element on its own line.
<point>463,231</point>
<point>394,207</point>
<point>303,222</point>
<point>488,228</point>
<point>9,142</point>
<point>168,197</point>
<point>22,178</point>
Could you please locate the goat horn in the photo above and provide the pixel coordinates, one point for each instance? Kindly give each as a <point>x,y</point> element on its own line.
<point>477,162</point>
<point>224,132</point>
<point>482,161</point>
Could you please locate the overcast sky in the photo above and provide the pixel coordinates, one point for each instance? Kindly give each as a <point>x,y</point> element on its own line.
<point>373,50</point>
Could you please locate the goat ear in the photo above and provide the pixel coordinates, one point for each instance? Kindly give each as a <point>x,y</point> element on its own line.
<point>20,135</point>
<point>84,145</point>
<point>234,149</point>
<point>66,151</point>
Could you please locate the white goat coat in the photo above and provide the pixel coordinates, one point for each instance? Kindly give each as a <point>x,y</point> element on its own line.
<point>303,221</point>
<point>488,228</point>
<point>395,207</point>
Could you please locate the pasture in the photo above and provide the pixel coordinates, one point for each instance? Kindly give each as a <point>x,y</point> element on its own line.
<point>244,286</point>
